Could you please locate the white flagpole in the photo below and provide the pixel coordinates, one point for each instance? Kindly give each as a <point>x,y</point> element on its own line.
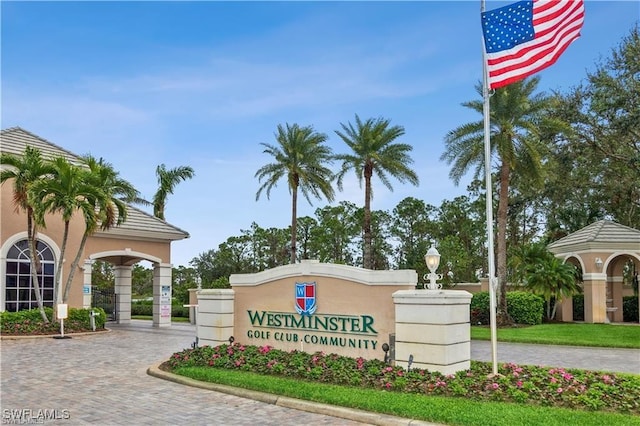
<point>489,203</point>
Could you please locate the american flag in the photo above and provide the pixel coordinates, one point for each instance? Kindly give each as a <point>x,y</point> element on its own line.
<point>525,37</point>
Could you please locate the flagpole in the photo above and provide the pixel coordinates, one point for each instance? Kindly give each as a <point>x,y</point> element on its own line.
<point>489,206</point>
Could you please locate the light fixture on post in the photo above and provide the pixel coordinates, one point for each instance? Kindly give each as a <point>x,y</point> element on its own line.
<point>432,259</point>
<point>599,263</point>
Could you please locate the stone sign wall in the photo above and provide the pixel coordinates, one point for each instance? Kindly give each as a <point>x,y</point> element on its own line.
<point>312,306</point>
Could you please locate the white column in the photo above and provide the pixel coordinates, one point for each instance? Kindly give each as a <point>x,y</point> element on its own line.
<point>162,295</point>
<point>87,288</point>
<point>123,293</point>
<point>433,330</point>
<point>215,316</point>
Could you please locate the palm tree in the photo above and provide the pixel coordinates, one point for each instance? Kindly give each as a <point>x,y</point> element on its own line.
<point>555,280</point>
<point>25,171</point>
<point>65,192</point>
<point>300,156</point>
<point>519,124</point>
<point>167,181</point>
<point>374,152</point>
<point>108,201</point>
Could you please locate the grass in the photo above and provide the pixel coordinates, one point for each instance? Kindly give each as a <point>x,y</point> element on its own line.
<point>149,317</point>
<point>455,411</point>
<point>597,335</point>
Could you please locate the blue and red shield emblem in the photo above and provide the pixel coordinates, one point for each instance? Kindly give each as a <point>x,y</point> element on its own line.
<point>306,298</point>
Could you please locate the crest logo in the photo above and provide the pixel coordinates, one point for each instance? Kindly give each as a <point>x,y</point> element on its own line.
<point>306,298</point>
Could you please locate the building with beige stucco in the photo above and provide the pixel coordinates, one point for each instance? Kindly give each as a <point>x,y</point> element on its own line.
<point>140,237</point>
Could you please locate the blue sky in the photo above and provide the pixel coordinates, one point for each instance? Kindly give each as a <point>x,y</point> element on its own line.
<point>204,83</point>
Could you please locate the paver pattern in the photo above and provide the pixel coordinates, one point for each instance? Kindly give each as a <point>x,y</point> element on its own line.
<point>101,379</point>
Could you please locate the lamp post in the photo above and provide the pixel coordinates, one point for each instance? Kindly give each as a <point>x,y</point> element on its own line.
<point>432,259</point>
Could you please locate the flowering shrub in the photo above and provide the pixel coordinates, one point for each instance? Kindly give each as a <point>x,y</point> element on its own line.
<point>557,387</point>
<point>30,322</point>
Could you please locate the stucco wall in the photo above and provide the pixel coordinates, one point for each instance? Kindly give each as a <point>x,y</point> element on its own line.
<point>339,295</point>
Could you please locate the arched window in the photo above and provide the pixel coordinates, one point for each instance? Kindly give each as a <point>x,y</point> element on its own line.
<point>20,293</point>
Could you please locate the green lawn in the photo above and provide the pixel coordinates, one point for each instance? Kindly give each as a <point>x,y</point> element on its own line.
<point>572,334</point>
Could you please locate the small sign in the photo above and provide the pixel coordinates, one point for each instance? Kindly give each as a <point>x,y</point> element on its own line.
<point>62,311</point>
<point>165,295</point>
<point>86,289</point>
<point>165,311</point>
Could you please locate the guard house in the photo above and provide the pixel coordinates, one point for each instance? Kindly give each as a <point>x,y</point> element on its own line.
<point>605,251</point>
<point>141,237</point>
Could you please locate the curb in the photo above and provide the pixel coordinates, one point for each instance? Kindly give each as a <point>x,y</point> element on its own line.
<point>292,403</point>
<point>49,336</point>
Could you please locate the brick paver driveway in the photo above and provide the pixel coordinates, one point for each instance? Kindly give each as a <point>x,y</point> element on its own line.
<point>101,379</point>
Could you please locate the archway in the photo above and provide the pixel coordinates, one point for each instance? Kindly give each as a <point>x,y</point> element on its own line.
<point>602,250</point>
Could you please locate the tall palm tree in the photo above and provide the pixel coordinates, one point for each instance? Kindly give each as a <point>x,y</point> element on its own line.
<point>108,200</point>
<point>25,171</point>
<point>64,193</point>
<point>519,126</point>
<point>167,181</point>
<point>374,151</point>
<point>300,156</point>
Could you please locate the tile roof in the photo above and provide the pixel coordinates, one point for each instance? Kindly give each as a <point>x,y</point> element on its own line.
<point>600,233</point>
<point>139,224</point>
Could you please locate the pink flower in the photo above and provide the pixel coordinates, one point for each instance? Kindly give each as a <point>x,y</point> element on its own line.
<point>495,386</point>
<point>519,383</point>
<point>388,385</point>
<point>553,380</point>
<point>560,390</point>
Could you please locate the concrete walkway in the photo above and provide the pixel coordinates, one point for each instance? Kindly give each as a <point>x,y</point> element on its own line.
<point>102,379</point>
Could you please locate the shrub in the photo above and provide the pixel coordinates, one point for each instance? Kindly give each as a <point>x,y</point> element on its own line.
<point>480,308</point>
<point>30,322</point>
<point>524,307</point>
<point>578,307</point>
<point>630,309</point>
<point>145,307</point>
<point>142,308</point>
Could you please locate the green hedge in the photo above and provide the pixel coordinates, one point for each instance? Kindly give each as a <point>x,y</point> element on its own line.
<point>630,309</point>
<point>145,307</point>
<point>30,322</point>
<point>524,307</point>
<point>578,307</point>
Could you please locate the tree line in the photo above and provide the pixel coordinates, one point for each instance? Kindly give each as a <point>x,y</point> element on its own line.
<point>559,162</point>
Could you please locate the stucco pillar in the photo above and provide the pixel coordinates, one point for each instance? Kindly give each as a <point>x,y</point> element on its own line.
<point>123,293</point>
<point>616,284</point>
<point>565,310</point>
<point>162,295</point>
<point>215,316</point>
<point>87,289</point>
<point>433,330</point>
<point>595,297</point>
<point>193,302</point>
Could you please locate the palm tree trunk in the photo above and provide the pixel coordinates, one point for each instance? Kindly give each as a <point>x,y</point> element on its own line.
<point>366,226</point>
<point>503,206</point>
<point>57,284</point>
<point>33,257</point>
<point>294,219</point>
<point>74,265</point>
